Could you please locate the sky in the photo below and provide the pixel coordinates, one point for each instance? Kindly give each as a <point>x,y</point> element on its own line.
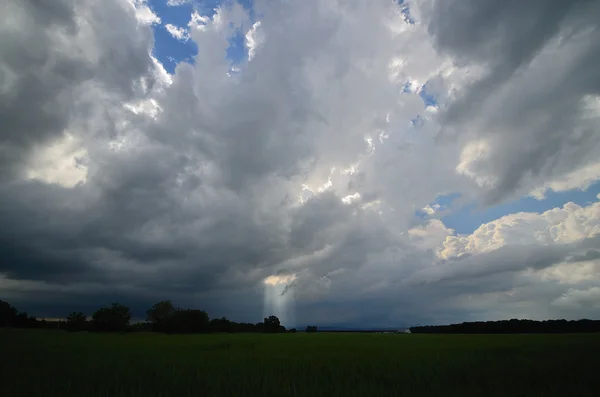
<point>341,163</point>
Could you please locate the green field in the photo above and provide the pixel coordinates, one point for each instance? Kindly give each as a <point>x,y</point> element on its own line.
<point>53,363</point>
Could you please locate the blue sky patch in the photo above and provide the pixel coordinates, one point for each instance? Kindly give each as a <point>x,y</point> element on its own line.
<point>429,99</point>
<point>418,121</point>
<point>405,10</point>
<point>470,217</point>
<point>170,51</point>
<point>167,49</point>
<point>441,202</point>
<point>236,52</point>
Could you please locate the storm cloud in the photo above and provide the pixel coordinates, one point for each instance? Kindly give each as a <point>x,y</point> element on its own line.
<point>306,162</point>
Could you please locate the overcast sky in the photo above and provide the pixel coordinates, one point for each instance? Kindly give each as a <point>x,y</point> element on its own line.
<point>336,162</point>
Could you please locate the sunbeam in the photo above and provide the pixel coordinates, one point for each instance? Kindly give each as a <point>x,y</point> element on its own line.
<point>279,298</point>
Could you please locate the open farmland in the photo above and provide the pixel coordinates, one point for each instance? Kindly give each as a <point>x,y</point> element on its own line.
<point>49,363</point>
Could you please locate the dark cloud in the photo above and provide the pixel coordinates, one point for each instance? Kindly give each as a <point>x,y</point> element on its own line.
<point>503,34</point>
<point>587,255</point>
<point>198,186</point>
<point>538,62</point>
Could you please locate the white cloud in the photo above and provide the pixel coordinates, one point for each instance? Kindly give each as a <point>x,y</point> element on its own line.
<point>573,273</point>
<point>580,179</point>
<point>568,224</point>
<point>576,299</point>
<point>253,39</point>
<point>431,209</point>
<point>148,107</point>
<point>176,3</point>
<point>430,235</point>
<point>472,163</point>
<point>162,77</point>
<point>61,162</point>
<point>351,198</point>
<point>280,279</point>
<point>144,13</point>
<point>178,33</point>
<point>197,20</point>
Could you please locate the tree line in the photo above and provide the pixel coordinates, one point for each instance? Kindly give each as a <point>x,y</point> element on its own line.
<point>513,326</point>
<point>11,317</point>
<point>166,318</point>
<point>161,317</point>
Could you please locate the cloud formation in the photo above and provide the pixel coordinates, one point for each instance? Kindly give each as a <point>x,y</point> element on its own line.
<point>306,166</point>
<point>532,115</point>
<point>178,33</point>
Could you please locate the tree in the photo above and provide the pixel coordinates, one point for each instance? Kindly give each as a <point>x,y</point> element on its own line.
<point>111,319</point>
<point>11,317</point>
<point>165,317</point>
<point>311,329</point>
<point>187,321</point>
<point>512,326</point>
<point>8,314</point>
<point>221,325</point>
<point>23,320</point>
<point>76,321</point>
<point>159,314</point>
<point>272,324</point>
<point>141,327</point>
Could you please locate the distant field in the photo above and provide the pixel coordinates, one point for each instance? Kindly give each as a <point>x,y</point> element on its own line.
<point>51,363</point>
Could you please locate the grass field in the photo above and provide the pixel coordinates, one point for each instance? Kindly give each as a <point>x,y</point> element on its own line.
<point>51,363</point>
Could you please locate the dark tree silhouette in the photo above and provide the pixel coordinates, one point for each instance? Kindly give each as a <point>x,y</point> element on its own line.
<point>159,314</point>
<point>76,321</point>
<point>164,317</point>
<point>8,314</point>
<point>172,320</point>
<point>11,317</point>
<point>187,321</point>
<point>513,326</point>
<point>111,319</point>
<point>221,325</point>
<point>142,327</point>
<point>272,325</point>
<point>161,317</point>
